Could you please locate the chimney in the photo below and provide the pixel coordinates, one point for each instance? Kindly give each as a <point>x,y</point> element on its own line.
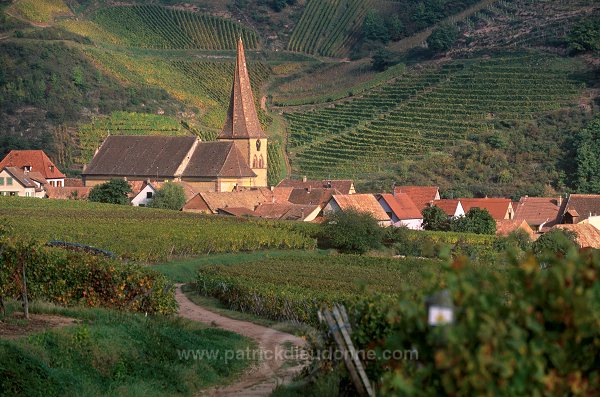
<point>559,201</point>
<point>304,178</point>
<point>302,213</point>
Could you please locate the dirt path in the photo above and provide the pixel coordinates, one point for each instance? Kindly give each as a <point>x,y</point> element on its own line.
<point>271,372</point>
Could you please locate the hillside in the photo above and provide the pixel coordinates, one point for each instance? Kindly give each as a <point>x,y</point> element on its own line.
<point>94,67</point>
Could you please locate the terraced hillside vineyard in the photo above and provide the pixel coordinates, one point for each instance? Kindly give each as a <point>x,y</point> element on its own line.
<point>427,109</point>
<point>329,27</point>
<point>151,26</point>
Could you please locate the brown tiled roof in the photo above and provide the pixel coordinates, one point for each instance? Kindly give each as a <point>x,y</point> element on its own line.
<point>362,203</point>
<point>282,194</point>
<point>583,205</point>
<point>537,210</point>
<point>68,192</point>
<point>587,235</point>
<point>311,196</point>
<point>38,177</point>
<point>240,212</point>
<point>284,211</point>
<point>36,159</point>
<point>217,159</point>
<point>402,206</point>
<point>140,156</point>
<point>497,207</point>
<point>249,199</point>
<point>507,226</point>
<point>136,188</point>
<point>420,195</point>
<point>448,206</point>
<point>241,121</point>
<point>20,176</point>
<point>196,204</point>
<point>73,182</point>
<point>344,186</point>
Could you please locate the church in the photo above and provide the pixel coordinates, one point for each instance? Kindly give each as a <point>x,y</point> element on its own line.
<point>237,159</point>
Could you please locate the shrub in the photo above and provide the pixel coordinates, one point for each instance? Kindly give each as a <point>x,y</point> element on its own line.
<point>585,36</point>
<point>434,218</point>
<point>476,220</point>
<point>169,197</point>
<point>112,192</point>
<point>352,231</point>
<point>555,242</point>
<point>443,38</point>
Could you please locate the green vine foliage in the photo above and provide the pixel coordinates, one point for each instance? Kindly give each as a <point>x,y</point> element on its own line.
<point>71,278</point>
<point>533,331</point>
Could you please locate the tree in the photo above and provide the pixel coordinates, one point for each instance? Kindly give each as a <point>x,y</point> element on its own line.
<point>442,38</point>
<point>555,242</point>
<point>352,232</point>
<point>477,221</point>
<point>434,218</point>
<point>381,60</point>
<point>169,197</point>
<point>395,27</point>
<point>585,36</point>
<point>112,192</point>
<point>587,158</point>
<point>374,27</point>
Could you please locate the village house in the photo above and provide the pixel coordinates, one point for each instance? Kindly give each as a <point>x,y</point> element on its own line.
<point>344,186</point>
<point>237,158</point>
<point>143,193</point>
<point>67,192</point>
<point>499,208</point>
<point>15,182</point>
<point>579,207</point>
<point>508,226</point>
<point>587,236</point>
<point>215,202</point>
<point>401,210</point>
<point>36,164</point>
<point>422,196</point>
<point>288,211</point>
<point>452,208</point>
<point>358,202</point>
<point>541,213</point>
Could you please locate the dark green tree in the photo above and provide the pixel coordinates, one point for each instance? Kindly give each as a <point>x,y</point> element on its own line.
<point>434,218</point>
<point>112,192</point>
<point>381,59</point>
<point>555,242</point>
<point>585,36</point>
<point>374,27</point>
<point>169,197</point>
<point>395,28</point>
<point>352,232</point>
<point>587,158</point>
<point>477,221</point>
<point>443,38</point>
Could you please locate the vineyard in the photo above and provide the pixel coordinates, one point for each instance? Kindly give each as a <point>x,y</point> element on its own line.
<point>293,288</point>
<point>150,26</point>
<point>41,11</point>
<point>132,232</point>
<point>329,27</point>
<point>427,109</point>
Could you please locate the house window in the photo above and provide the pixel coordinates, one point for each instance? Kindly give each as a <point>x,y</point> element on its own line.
<point>2,181</point>
<point>148,195</point>
<point>27,168</point>
<point>13,194</point>
<point>9,181</point>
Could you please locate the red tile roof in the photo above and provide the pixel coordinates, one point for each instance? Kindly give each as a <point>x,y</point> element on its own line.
<point>507,226</point>
<point>448,206</point>
<point>344,186</point>
<point>36,159</point>
<point>420,195</point>
<point>402,206</point>
<point>196,204</point>
<point>362,203</point>
<point>588,236</point>
<point>68,192</point>
<point>497,207</point>
<point>538,210</point>
<point>240,212</point>
<point>282,194</point>
<point>284,211</point>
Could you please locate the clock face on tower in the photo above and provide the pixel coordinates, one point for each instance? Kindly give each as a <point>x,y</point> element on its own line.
<point>258,145</point>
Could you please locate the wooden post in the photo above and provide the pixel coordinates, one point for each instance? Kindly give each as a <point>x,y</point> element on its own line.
<point>24,288</point>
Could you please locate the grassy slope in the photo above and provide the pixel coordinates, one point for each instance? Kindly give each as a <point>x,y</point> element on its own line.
<point>110,353</point>
<point>144,234</point>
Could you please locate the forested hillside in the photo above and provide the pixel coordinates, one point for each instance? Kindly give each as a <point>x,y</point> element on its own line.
<point>379,91</point>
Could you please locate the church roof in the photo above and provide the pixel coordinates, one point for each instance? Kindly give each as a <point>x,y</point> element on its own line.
<point>242,120</point>
<point>214,159</point>
<point>140,156</point>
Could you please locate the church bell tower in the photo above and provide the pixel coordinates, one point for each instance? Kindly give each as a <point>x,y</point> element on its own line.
<point>242,125</point>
